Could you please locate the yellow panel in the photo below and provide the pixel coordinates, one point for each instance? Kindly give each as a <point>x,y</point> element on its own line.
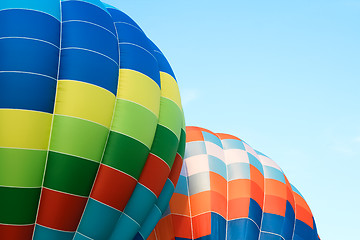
<point>84,100</point>
<point>170,88</point>
<point>139,88</point>
<point>24,129</point>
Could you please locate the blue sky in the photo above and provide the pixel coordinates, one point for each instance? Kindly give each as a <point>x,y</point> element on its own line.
<point>282,75</point>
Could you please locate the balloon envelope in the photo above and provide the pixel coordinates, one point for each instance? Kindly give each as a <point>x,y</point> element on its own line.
<point>227,190</point>
<point>91,121</point>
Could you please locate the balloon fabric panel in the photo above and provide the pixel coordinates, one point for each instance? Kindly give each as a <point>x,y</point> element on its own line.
<point>91,124</point>
<point>227,190</point>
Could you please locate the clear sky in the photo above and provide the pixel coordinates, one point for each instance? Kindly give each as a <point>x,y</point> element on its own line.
<point>282,75</point>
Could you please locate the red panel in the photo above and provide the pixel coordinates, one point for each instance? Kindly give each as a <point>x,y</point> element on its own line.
<point>164,229</point>
<point>175,170</point>
<point>154,174</point>
<point>256,176</point>
<point>218,204</point>
<point>304,215</point>
<point>183,226</point>
<point>152,236</point>
<point>107,182</point>
<point>60,211</point>
<point>16,232</point>
<point>201,225</point>
<point>275,205</point>
<point>257,193</point>
<point>238,208</point>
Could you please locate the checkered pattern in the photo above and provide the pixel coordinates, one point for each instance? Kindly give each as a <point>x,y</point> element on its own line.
<point>227,190</point>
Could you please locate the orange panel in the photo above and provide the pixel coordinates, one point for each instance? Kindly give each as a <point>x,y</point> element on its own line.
<point>179,204</point>
<point>275,205</point>
<point>183,226</point>
<point>218,184</point>
<point>257,193</point>
<point>200,203</point>
<point>202,225</point>
<point>227,136</point>
<point>304,215</point>
<point>301,202</point>
<point>257,176</point>
<point>290,196</point>
<point>275,188</point>
<point>164,230</point>
<point>239,188</point>
<point>218,204</point>
<point>238,208</point>
<point>193,134</point>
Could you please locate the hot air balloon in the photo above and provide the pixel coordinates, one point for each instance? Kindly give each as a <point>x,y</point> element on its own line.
<point>91,123</point>
<point>227,190</point>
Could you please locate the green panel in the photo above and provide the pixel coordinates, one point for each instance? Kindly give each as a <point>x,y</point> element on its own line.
<point>125,154</point>
<point>18,205</point>
<point>165,145</point>
<point>135,121</point>
<point>182,143</point>
<point>51,7</point>
<point>78,137</point>
<point>171,116</point>
<point>21,167</point>
<point>70,174</point>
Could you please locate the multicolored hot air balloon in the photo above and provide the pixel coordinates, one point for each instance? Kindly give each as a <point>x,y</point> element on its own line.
<point>227,190</point>
<point>91,123</point>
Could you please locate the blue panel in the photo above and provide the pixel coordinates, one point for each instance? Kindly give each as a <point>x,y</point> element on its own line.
<point>217,166</point>
<point>182,186</point>
<point>164,65</point>
<point>255,162</point>
<point>51,7</point>
<point>138,237</point>
<point>150,222</point>
<point>82,11</point>
<point>194,148</point>
<point>92,37</point>
<point>289,222</point>
<point>272,223</point>
<point>138,59</point>
<point>95,3</point>
<point>27,91</point>
<point>127,229</point>
<point>30,24</point>
<point>78,236</point>
<point>274,173</point>
<point>242,229</point>
<point>218,227</point>
<point>165,195</point>
<point>233,144</point>
<point>119,16</point>
<point>43,233</point>
<point>255,212</point>
<point>141,202</point>
<point>212,138</point>
<point>89,67</point>
<point>238,171</point>
<point>29,56</point>
<point>269,236</point>
<point>98,220</point>
<point>129,34</point>
<point>304,231</point>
